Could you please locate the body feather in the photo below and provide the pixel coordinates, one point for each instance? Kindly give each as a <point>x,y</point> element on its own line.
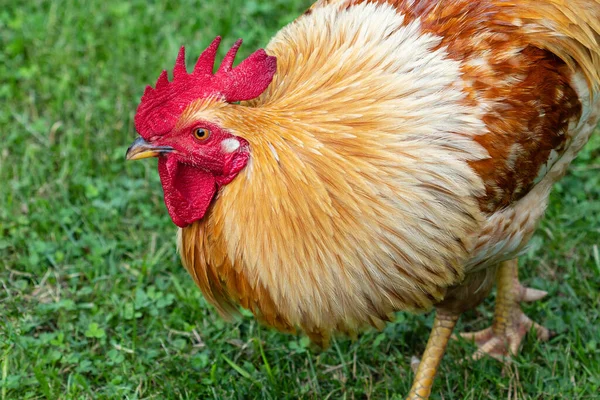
<point>397,157</point>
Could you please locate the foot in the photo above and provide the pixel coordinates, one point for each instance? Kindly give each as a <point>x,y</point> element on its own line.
<point>503,340</point>
<point>510,325</point>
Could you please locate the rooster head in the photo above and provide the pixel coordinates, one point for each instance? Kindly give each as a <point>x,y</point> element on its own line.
<point>196,156</point>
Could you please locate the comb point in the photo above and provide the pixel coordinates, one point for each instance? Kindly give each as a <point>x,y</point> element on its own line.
<point>227,63</point>
<point>180,68</point>
<point>163,80</point>
<point>206,61</point>
<point>148,91</point>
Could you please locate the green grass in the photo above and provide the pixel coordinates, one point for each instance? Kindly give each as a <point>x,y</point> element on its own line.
<point>93,301</point>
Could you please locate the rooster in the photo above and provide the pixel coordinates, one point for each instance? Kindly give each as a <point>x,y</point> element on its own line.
<point>378,156</point>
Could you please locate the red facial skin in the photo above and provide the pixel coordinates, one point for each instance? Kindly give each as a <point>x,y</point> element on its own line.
<point>192,174</point>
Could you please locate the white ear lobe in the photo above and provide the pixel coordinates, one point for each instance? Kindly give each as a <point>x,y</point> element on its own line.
<point>230,145</point>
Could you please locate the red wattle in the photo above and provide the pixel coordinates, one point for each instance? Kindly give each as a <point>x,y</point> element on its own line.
<point>188,190</point>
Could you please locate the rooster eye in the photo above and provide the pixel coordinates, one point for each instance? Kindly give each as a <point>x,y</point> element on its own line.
<point>201,133</point>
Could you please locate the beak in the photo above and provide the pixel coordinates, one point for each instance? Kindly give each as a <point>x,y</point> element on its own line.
<point>142,149</point>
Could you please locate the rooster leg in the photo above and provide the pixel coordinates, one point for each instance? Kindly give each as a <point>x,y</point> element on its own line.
<point>510,324</point>
<point>436,345</point>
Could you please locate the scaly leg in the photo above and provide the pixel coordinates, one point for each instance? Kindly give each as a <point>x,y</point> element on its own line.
<point>434,351</point>
<point>510,324</point>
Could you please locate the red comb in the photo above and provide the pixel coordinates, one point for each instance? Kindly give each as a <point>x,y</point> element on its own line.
<point>161,106</point>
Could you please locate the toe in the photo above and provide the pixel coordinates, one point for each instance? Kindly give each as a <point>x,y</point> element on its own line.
<point>514,341</point>
<point>495,347</point>
<point>479,336</point>
<point>544,334</point>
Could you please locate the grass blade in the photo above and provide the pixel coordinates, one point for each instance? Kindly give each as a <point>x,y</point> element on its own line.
<point>5,372</point>
<point>240,370</point>
<point>44,386</point>
<point>266,362</point>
